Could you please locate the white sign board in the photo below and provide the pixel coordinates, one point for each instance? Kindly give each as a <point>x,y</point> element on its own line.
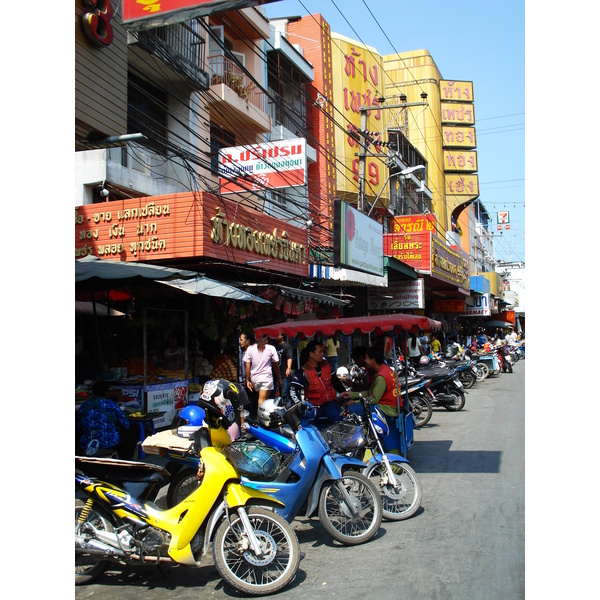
<point>478,306</point>
<point>399,295</point>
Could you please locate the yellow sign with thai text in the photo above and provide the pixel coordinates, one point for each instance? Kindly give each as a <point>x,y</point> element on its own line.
<point>457,113</point>
<point>457,91</point>
<point>458,137</point>
<point>462,185</point>
<point>358,80</point>
<point>457,160</point>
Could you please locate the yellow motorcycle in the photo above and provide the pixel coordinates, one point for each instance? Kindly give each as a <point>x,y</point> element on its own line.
<point>116,521</point>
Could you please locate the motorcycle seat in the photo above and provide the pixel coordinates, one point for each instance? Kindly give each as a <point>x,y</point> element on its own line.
<point>435,374</point>
<point>120,471</point>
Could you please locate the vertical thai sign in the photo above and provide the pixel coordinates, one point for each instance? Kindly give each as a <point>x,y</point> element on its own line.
<point>359,81</point>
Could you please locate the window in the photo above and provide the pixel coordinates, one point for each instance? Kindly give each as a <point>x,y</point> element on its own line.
<point>219,138</point>
<point>147,112</point>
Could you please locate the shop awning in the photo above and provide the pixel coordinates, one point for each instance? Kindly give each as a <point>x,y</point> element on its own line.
<point>91,267</point>
<point>301,294</point>
<point>393,264</point>
<point>83,307</point>
<point>379,324</point>
<point>211,287</point>
<point>499,324</point>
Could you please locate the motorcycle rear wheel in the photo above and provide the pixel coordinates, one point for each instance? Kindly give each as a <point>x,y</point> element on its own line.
<point>335,515</point>
<point>241,568</point>
<point>467,379</point>
<point>459,401</point>
<point>402,503</point>
<point>89,568</point>
<point>183,484</point>
<point>421,410</point>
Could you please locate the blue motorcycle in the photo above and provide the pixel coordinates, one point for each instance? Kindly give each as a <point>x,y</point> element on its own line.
<point>298,468</point>
<point>368,431</point>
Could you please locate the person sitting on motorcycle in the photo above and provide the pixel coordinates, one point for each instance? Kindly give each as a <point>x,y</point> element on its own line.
<point>317,384</point>
<point>383,388</point>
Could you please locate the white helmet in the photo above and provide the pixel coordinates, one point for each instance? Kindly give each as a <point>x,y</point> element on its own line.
<point>342,373</point>
<point>270,412</point>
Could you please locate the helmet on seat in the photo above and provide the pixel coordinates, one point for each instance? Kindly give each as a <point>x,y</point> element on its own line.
<point>424,360</point>
<point>226,396</point>
<point>270,413</point>
<point>189,419</point>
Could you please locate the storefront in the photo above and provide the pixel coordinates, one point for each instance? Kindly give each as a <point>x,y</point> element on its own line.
<point>201,233</point>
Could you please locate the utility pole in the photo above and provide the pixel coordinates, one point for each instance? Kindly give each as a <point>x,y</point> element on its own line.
<point>364,146</point>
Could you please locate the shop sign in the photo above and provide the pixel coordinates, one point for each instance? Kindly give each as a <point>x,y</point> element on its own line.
<point>142,14</point>
<point>187,226</point>
<point>508,316</point>
<point>449,265</point>
<point>457,113</point>
<point>449,306</point>
<point>503,220</point>
<point>462,184</point>
<point>414,249</point>
<point>458,137</point>
<point>456,160</point>
<point>167,398</point>
<point>357,240</point>
<point>478,306</point>
<point>413,223</point>
<point>399,295</point>
<point>461,91</point>
<point>271,165</point>
<point>358,78</point>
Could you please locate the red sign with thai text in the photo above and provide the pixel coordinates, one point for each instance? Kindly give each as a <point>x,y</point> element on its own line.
<point>414,249</point>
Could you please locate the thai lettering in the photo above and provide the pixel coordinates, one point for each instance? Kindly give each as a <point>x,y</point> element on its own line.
<point>89,234</point>
<point>116,231</point>
<point>151,245</point>
<point>147,228</point>
<point>150,209</point>
<point>275,244</point>
<point>105,217</point>
<point>110,249</point>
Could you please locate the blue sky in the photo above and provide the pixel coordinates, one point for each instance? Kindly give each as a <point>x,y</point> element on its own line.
<point>472,40</point>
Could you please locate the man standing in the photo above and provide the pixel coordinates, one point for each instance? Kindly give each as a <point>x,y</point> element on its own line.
<point>284,349</point>
<point>316,382</point>
<point>332,347</point>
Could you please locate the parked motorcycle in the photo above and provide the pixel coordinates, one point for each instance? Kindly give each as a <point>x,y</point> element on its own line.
<point>254,549</point>
<point>298,468</point>
<point>445,388</point>
<point>505,359</point>
<point>399,486</point>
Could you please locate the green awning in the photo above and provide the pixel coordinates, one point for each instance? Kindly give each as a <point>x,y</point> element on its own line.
<point>391,263</point>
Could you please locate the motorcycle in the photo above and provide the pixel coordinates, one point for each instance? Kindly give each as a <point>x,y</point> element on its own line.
<point>505,359</point>
<point>357,433</point>
<point>254,549</point>
<point>297,467</point>
<point>445,388</point>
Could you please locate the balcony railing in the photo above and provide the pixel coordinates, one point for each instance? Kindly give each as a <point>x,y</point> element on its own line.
<point>223,70</point>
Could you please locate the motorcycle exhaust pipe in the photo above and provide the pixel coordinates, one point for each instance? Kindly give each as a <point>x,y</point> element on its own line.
<point>96,547</point>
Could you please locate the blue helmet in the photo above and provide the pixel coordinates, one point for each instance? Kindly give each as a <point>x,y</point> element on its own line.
<point>188,420</point>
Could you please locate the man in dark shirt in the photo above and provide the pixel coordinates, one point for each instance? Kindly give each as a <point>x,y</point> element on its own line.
<point>318,385</point>
<point>284,349</point>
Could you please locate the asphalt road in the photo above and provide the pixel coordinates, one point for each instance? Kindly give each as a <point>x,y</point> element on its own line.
<point>466,542</point>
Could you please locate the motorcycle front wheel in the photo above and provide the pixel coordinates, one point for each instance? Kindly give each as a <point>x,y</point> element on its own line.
<point>401,502</point>
<point>89,567</point>
<point>482,371</point>
<point>247,572</point>
<point>337,517</point>
<point>421,410</point>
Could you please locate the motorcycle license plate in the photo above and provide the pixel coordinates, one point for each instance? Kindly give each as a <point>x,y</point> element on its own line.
<point>458,383</point>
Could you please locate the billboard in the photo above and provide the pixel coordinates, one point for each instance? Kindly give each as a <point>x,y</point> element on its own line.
<point>358,80</point>
<point>399,295</point>
<point>262,166</point>
<point>143,14</point>
<point>357,240</point>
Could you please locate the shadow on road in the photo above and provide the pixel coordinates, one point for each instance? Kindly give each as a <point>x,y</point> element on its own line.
<point>438,457</point>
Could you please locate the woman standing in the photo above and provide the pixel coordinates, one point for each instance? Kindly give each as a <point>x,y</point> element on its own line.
<point>262,361</point>
<point>414,349</point>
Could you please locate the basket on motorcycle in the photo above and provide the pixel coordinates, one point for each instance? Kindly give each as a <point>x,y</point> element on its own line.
<point>344,437</point>
<point>253,459</point>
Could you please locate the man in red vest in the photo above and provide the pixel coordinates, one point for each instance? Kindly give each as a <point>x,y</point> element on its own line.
<point>383,389</point>
<point>318,384</point>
